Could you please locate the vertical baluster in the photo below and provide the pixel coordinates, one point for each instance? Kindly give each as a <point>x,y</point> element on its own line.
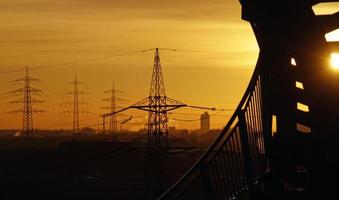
<point>255,133</point>
<point>196,191</point>
<point>262,120</point>
<point>213,165</point>
<point>266,112</point>
<point>238,165</point>
<point>246,155</point>
<point>189,193</point>
<point>221,174</point>
<point>240,160</point>
<point>249,123</point>
<point>251,129</point>
<point>226,169</point>
<point>259,121</point>
<point>255,121</point>
<point>230,165</point>
<point>235,165</point>
<point>209,194</point>
<point>200,186</point>
<point>260,126</point>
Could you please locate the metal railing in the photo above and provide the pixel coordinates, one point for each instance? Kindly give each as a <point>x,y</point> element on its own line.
<point>233,165</point>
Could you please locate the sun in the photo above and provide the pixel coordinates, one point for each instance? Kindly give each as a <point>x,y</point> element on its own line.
<point>335,61</point>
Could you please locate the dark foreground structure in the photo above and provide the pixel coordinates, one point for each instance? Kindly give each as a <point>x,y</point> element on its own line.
<point>294,90</point>
<point>86,168</point>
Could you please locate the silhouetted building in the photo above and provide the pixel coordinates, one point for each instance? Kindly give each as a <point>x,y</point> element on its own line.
<point>205,122</point>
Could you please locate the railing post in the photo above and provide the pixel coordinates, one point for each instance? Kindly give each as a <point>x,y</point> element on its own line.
<point>245,145</point>
<point>207,182</point>
<point>266,113</point>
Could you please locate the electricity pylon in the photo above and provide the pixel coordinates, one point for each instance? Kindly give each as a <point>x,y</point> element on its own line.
<point>157,104</point>
<point>76,105</point>
<point>28,92</point>
<point>113,121</point>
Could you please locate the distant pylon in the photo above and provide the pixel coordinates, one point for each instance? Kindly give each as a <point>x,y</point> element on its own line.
<point>75,105</point>
<point>76,124</point>
<point>27,90</point>
<point>113,121</point>
<point>28,112</point>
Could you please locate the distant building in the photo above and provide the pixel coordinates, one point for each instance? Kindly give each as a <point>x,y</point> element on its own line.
<point>205,122</point>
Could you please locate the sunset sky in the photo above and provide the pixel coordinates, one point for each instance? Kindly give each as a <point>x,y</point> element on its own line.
<point>220,55</point>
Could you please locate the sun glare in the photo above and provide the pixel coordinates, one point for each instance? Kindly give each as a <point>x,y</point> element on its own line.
<point>332,36</point>
<point>335,60</point>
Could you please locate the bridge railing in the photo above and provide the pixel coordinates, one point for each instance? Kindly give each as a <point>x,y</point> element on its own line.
<point>233,165</point>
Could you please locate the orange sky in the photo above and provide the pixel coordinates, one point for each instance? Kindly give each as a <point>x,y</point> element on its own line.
<point>44,32</point>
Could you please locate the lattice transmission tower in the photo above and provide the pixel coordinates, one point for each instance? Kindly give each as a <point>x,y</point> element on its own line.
<point>157,104</point>
<point>113,119</point>
<point>28,92</point>
<point>75,104</point>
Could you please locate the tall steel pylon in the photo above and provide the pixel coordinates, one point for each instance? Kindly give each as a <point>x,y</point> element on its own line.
<point>28,112</point>
<point>113,120</point>
<point>75,93</point>
<point>157,104</point>
<point>157,134</point>
<point>28,91</point>
<point>76,124</point>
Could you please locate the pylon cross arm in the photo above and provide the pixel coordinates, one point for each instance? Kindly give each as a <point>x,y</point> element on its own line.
<point>152,108</point>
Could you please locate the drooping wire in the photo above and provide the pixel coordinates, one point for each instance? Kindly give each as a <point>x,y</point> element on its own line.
<point>70,63</point>
<point>69,123</point>
<point>113,56</point>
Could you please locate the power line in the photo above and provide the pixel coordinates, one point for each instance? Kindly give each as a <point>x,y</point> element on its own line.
<point>209,108</point>
<point>194,114</point>
<point>70,63</point>
<point>93,125</point>
<point>69,123</point>
<point>117,55</point>
<point>207,51</point>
